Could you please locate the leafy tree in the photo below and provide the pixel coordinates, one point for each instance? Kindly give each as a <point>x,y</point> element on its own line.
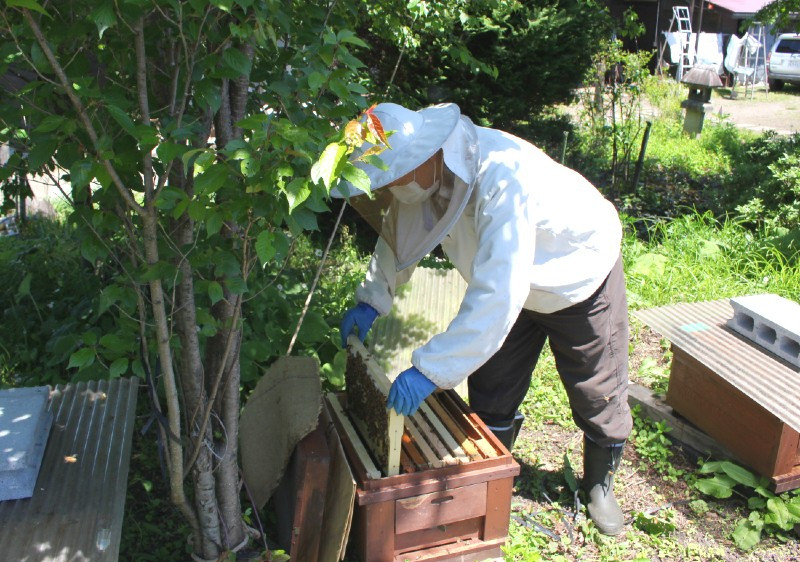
<point>183,134</point>
<point>783,14</point>
<point>502,61</point>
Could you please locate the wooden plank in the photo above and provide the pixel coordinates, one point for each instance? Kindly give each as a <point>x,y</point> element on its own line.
<point>339,499</point>
<point>658,410</point>
<point>299,495</point>
<point>410,449</point>
<point>340,418</point>
<point>466,423</point>
<point>431,459</point>
<point>460,437</point>
<point>367,388</point>
<point>406,464</point>
<point>433,439</point>
<point>444,433</point>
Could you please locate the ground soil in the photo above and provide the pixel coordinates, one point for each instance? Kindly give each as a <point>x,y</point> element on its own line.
<point>543,503</point>
<point>778,111</point>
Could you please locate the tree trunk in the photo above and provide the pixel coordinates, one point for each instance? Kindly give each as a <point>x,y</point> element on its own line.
<point>222,360</point>
<point>194,399</point>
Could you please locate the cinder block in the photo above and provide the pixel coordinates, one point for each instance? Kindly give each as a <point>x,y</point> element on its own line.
<point>771,321</point>
<point>24,427</point>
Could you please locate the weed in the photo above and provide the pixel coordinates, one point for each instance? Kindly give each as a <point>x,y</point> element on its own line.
<point>773,514</point>
<point>652,444</point>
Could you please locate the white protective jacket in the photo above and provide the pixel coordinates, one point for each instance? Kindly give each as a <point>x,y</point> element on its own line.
<point>534,235</point>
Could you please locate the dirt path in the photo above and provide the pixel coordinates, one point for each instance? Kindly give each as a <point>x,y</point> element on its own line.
<point>778,111</point>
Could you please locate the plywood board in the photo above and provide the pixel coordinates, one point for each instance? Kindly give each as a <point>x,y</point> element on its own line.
<point>367,388</point>
<point>339,499</point>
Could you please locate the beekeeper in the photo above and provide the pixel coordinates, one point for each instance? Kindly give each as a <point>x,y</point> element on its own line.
<point>539,248</point>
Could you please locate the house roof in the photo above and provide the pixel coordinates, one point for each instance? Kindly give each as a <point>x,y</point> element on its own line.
<point>743,7</point>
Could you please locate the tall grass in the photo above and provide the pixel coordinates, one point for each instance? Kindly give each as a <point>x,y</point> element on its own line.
<point>696,257</point>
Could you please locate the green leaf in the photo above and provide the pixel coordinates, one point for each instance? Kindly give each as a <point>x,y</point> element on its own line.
<point>168,151</point>
<point>339,88</point>
<point>356,176</point>
<point>746,535</point>
<point>214,224</point>
<point>104,17</point>
<point>122,118</point>
<point>710,467</point>
<point>327,168</point>
<point>237,61</point>
<point>651,266</point>
<point>254,121</point>
<point>28,4</point>
<point>215,292</point>
<point>302,219</point>
<point>778,515</point>
<point>296,192</point>
<point>211,179</point>
<point>118,367</point>
<point>265,249</point>
<point>316,80</point>
<point>41,153</point>
<point>653,526</point>
<point>189,155</point>
<point>347,36</point>
<point>720,486</point>
<point>115,343</point>
<point>236,285</point>
<point>314,328</point>
<point>569,474</point>
<point>24,288</point>
<point>741,475</point>
<point>80,174</point>
<point>82,358</point>
<point>50,123</point>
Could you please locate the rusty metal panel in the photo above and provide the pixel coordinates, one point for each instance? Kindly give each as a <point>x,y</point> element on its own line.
<point>700,329</point>
<point>76,509</point>
<point>423,308</point>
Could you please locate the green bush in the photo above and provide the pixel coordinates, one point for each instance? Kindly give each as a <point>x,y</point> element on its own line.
<point>47,302</point>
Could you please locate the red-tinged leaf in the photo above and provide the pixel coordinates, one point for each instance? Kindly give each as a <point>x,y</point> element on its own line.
<point>376,128</point>
<point>371,108</point>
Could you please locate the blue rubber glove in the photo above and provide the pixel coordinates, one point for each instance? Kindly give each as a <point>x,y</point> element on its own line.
<point>361,316</point>
<point>408,391</point>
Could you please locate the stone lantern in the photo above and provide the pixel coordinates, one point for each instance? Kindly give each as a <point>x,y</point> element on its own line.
<point>701,80</point>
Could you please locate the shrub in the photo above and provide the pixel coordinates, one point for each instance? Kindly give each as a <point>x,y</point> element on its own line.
<point>47,303</point>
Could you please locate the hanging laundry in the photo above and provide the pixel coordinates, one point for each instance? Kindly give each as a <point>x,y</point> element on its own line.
<point>732,53</point>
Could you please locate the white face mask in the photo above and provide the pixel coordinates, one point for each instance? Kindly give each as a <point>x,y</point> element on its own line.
<point>413,193</point>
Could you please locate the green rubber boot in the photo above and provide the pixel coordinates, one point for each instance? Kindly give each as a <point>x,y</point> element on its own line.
<point>599,465</point>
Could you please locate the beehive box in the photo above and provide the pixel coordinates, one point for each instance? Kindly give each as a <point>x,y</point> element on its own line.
<point>738,393</point>
<point>451,499</point>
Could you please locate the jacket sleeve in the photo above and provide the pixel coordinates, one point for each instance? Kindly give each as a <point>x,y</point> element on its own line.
<point>497,290</point>
<point>382,279</point>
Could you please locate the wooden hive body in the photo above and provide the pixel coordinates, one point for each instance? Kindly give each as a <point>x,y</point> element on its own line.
<point>451,498</point>
<point>738,393</point>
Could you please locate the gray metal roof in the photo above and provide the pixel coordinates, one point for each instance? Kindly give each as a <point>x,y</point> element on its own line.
<point>77,507</point>
<point>700,329</point>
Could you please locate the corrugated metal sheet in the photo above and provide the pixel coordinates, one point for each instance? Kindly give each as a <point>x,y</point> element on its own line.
<point>700,330</point>
<point>423,308</point>
<point>76,511</point>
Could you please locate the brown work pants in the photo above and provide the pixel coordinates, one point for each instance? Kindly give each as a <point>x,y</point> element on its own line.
<point>589,341</point>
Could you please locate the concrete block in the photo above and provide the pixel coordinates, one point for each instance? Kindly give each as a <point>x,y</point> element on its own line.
<point>771,321</point>
<point>24,427</point>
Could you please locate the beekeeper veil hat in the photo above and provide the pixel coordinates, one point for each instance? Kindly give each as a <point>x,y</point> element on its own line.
<point>413,226</point>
